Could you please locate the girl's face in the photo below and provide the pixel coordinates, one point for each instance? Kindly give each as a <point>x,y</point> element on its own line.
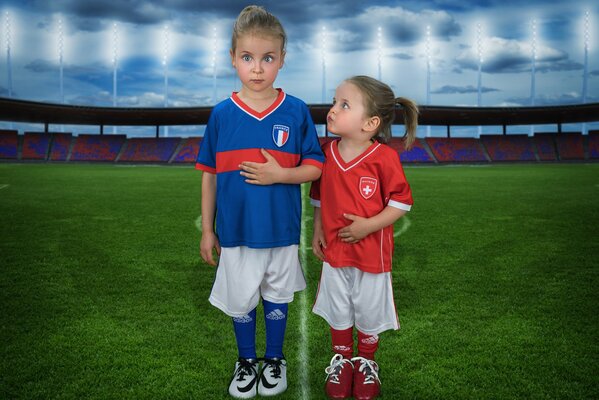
<point>257,60</point>
<point>347,117</point>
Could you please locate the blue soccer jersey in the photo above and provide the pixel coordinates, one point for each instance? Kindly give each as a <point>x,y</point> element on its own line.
<point>253,215</point>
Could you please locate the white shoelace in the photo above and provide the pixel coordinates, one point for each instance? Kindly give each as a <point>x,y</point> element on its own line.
<point>335,367</point>
<point>368,368</point>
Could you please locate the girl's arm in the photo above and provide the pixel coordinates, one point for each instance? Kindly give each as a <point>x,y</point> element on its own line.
<point>271,172</point>
<point>361,227</point>
<point>318,239</point>
<point>209,240</point>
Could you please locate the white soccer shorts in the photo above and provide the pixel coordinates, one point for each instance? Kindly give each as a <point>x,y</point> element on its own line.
<point>348,296</point>
<point>244,274</point>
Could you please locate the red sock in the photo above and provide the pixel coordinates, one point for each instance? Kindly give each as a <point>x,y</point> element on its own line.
<point>343,342</point>
<point>367,345</point>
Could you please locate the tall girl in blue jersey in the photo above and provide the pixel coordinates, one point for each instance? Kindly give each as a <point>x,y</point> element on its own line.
<point>259,145</point>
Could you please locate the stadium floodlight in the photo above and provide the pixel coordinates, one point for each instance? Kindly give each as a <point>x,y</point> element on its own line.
<point>214,53</point>
<point>479,50</point>
<point>380,52</point>
<point>165,54</point>
<point>533,60</point>
<point>60,58</point>
<point>585,73</point>
<point>323,49</point>
<point>115,60</point>
<point>8,50</point>
<point>428,72</point>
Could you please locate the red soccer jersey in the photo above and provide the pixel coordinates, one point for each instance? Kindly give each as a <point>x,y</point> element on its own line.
<point>362,187</point>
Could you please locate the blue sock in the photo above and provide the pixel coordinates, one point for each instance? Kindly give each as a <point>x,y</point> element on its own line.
<point>275,318</point>
<point>245,334</point>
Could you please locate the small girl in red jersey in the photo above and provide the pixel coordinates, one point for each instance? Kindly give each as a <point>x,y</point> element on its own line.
<point>361,193</point>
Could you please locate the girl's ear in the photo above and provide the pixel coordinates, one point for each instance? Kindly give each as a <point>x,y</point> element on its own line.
<point>232,54</point>
<point>371,124</point>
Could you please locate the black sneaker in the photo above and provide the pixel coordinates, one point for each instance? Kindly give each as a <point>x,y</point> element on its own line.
<point>273,377</point>
<point>245,377</point>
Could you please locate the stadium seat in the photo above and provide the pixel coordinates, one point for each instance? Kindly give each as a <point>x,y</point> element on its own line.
<point>508,147</point>
<point>61,144</point>
<point>149,149</point>
<point>569,146</point>
<point>593,144</point>
<point>97,147</point>
<point>188,152</point>
<point>35,146</point>
<point>417,154</point>
<point>545,144</point>
<point>9,144</point>
<point>456,149</point>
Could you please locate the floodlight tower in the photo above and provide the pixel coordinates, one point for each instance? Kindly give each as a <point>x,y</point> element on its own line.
<point>324,63</point>
<point>115,60</point>
<point>585,74</point>
<point>8,48</point>
<point>380,53</point>
<point>428,72</point>
<point>533,59</point>
<point>214,47</point>
<point>165,55</point>
<point>479,49</point>
<point>60,64</point>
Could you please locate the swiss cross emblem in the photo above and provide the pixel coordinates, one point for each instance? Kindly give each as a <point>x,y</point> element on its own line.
<point>367,186</point>
<point>280,134</point>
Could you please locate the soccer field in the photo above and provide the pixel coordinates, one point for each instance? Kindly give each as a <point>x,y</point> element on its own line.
<point>104,295</point>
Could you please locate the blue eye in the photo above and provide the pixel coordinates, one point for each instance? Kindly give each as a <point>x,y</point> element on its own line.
<point>269,59</point>
<point>246,58</point>
<point>345,105</point>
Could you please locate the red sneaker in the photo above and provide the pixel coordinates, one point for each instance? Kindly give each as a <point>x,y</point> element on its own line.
<point>366,379</point>
<point>339,378</point>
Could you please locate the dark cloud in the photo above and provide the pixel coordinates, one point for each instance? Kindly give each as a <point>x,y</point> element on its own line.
<point>566,98</point>
<point>450,89</point>
<point>402,56</point>
<point>594,73</point>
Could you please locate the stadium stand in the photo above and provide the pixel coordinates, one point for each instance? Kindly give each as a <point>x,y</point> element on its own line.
<point>35,146</point>
<point>97,147</point>
<point>149,149</point>
<point>593,144</point>
<point>417,154</point>
<point>456,149</point>
<point>61,144</point>
<point>188,152</point>
<point>569,146</point>
<point>9,144</point>
<point>508,147</point>
<point>545,144</point>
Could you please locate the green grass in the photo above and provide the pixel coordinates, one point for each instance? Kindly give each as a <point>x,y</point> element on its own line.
<point>104,296</point>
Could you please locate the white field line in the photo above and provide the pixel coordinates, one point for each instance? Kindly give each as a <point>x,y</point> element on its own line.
<point>303,306</point>
<point>4,186</point>
<point>198,223</point>
<point>404,227</point>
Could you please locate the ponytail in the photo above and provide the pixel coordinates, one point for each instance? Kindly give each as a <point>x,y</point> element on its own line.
<point>410,116</point>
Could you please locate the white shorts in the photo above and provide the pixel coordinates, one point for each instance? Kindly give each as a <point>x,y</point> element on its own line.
<point>348,296</point>
<point>244,274</point>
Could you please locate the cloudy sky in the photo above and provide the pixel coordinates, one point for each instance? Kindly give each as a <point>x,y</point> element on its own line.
<point>351,47</point>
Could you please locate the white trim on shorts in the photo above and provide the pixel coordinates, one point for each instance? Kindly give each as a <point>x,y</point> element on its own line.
<point>348,296</point>
<point>245,274</point>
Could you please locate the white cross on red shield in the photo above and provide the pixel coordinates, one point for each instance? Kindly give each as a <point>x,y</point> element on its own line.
<point>367,186</point>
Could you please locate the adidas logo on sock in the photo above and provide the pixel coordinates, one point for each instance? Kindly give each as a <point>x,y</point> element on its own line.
<point>370,339</point>
<point>340,349</point>
<point>243,320</point>
<point>275,315</point>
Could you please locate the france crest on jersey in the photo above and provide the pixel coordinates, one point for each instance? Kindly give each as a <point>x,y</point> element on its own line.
<point>280,134</point>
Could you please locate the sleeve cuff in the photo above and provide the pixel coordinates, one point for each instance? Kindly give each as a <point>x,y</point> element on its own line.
<point>311,161</point>
<point>401,206</point>
<point>315,203</point>
<point>205,168</point>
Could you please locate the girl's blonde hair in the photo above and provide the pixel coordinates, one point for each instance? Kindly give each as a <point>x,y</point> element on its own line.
<point>256,20</point>
<point>380,101</point>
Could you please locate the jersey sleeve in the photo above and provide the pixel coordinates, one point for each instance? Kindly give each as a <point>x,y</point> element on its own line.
<point>311,151</point>
<point>206,160</point>
<point>315,193</point>
<point>396,187</point>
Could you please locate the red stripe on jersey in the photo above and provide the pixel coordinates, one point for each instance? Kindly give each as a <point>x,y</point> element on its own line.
<point>259,115</point>
<point>311,161</point>
<point>229,160</point>
<point>205,168</point>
